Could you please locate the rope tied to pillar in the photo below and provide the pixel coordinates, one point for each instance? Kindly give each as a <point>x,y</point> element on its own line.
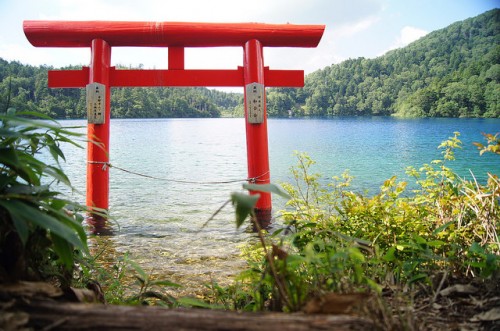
<point>105,165</point>
<point>253,180</point>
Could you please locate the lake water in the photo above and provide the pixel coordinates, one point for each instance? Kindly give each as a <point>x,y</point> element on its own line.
<point>158,221</point>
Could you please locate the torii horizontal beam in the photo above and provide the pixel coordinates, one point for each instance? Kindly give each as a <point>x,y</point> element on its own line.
<point>178,78</point>
<point>165,34</point>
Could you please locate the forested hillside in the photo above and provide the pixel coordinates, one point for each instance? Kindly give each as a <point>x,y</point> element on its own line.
<point>24,87</point>
<point>453,72</point>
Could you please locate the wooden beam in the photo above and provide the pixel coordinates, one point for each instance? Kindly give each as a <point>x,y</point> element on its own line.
<point>68,78</point>
<point>175,78</point>
<point>165,34</point>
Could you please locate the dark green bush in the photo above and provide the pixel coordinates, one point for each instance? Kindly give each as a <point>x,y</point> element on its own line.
<point>40,232</point>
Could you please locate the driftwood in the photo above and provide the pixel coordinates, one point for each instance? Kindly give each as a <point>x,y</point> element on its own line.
<point>53,315</point>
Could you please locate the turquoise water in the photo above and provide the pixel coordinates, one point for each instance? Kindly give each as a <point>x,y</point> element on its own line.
<point>159,221</point>
<point>376,148</point>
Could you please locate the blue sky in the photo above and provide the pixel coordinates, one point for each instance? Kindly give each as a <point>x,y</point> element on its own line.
<point>355,28</point>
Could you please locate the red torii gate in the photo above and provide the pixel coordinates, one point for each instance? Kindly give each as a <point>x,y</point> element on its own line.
<point>101,36</point>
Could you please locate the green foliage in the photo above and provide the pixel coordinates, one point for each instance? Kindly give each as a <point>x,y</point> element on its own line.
<point>39,231</point>
<point>244,203</point>
<point>337,240</point>
<point>243,206</point>
<point>493,144</point>
<point>146,291</point>
<point>453,72</point>
<point>124,281</point>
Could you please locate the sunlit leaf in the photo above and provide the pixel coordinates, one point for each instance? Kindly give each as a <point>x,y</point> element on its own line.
<point>278,232</point>
<point>442,228</point>
<point>436,243</point>
<point>374,286</point>
<point>390,254</point>
<point>356,254</point>
<point>57,174</point>
<point>294,260</point>
<point>63,249</point>
<point>476,248</point>
<point>193,302</point>
<point>20,163</point>
<point>419,240</point>
<point>8,156</point>
<point>417,277</point>
<point>139,270</point>
<point>18,221</point>
<point>56,152</point>
<point>30,214</point>
<point>164,283</point>
<point>269,188</point>
<point>71,223</point>
<point>57,204</point>
<point>244,205</point>
<point>141,280</point>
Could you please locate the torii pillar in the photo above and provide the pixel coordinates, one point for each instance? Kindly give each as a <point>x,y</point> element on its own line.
<point>98,136</point>
<point>256,125</point>
<point>101,36</point>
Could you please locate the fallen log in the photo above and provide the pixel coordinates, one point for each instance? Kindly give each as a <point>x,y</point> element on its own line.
<point>42,306</point>
<point>52,315</point>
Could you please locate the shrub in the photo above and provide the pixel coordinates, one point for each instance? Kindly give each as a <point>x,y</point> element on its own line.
<point>40,232</point>
<point>337,240</point>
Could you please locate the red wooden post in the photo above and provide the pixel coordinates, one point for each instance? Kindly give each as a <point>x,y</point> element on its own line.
<point>176,58</point>
<point>256,125</point>
<point>98,136</point>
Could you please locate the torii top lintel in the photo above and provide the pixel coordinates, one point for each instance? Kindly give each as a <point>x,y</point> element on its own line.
<point>165,34</point>
<point>175,36</point>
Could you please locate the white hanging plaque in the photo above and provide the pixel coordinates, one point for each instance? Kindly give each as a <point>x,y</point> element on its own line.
<point>255,102</point>
<point>96,103</point>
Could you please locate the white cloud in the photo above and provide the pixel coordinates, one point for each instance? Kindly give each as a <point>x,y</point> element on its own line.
<point>16,52</point>
<point>407,35</point>
<point>348,30</point>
